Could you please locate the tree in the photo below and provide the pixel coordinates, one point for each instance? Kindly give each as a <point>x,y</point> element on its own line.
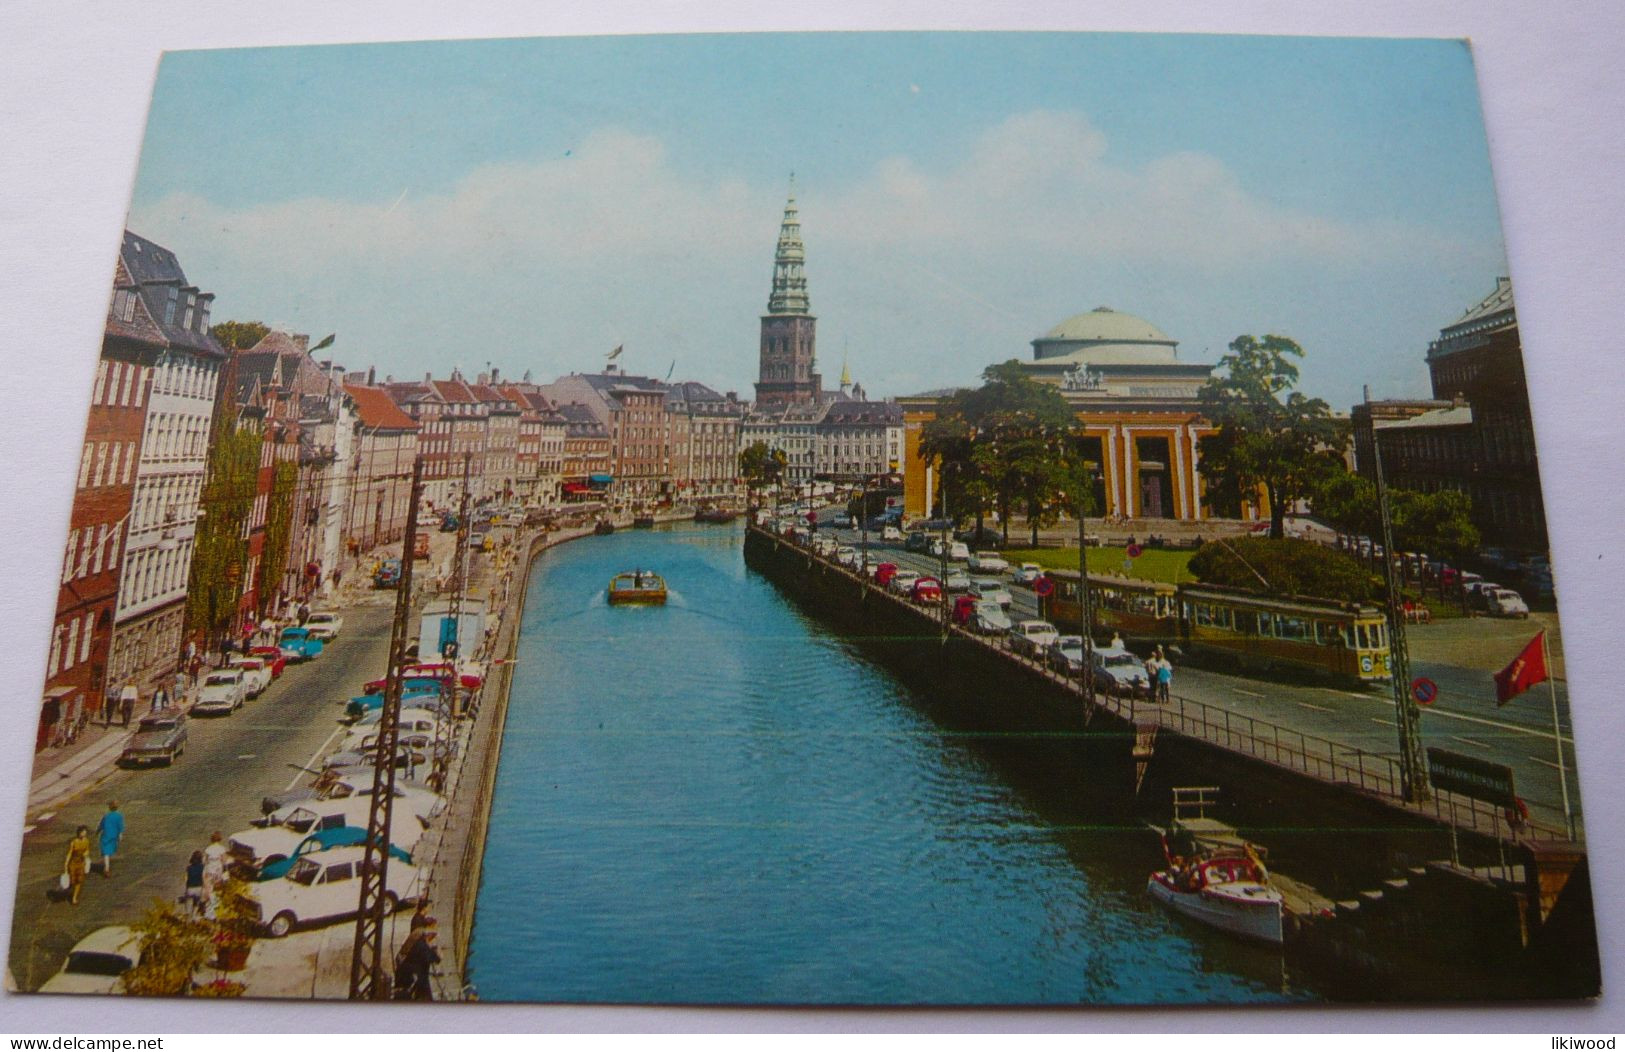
<point>1268,436</point>
<point>1348,502</point>
<point>1000,444</point>
<point>220,552</point>
<point>1440,524</point>
<point>172,945</point>
<point>761,466</point>
<point>278,532</point>
<point>239,335</point>
<point>1287,566</point>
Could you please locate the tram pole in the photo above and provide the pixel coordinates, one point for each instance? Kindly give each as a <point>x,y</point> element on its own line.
<point>1413,770</point>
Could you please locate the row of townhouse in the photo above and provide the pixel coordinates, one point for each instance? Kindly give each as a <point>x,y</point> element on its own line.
<point>840,438</point>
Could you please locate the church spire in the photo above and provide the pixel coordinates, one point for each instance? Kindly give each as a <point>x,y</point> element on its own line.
<point>789,282</point>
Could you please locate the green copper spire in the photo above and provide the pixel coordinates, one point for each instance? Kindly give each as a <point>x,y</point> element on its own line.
<point>789,283</point>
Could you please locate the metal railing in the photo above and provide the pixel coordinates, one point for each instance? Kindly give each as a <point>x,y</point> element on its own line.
<point>1375,774</point>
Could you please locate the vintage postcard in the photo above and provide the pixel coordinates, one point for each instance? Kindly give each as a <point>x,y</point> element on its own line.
<point>810,519</point>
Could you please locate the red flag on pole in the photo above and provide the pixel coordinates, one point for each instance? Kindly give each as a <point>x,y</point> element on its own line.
<point>1527,669</point>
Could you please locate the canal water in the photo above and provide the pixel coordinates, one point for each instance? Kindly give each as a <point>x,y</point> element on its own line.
<point>719,801</point>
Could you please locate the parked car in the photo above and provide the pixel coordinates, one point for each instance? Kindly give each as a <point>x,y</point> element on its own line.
<point>846,555</point>
<point>297,644</point>
<point>989,619</point>
<point>324,625</point>
<point>157,739</point>
<point>334,785</point>
<point>276,836</point>
<point>981,539</point>
<point>825,546</point>
<point>840,520</point>
<point>387,574</point>
<point>449,523</point>
<point>1504,602</point>
<point>222,692</point>
<point>272,656</point>
<point>890,532</point>
<point>256,676</point>
<point>470,674</point>
<point>959,551</point>
<point>1118,671</point>
<point>902,581</point>
<point>420,545</point>
<point>325,887</point>
<point>421,693</point>
<point>916,542</point>
<point>994,590</point>
<point>1065,655</point>
<point>1030,638</point>
<point>1027,573</point>
<point>422,721</point>
<point>956,581</point>
<point>884,572</point>
<point>320,841</point>
<point>926,590</point>
<point>987,562</point>
<point>97,963</point>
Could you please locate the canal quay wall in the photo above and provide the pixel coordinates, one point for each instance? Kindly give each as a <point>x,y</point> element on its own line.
<point>1510,918</point>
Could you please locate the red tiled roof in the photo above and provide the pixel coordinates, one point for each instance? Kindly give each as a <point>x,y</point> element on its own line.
<point>378,410</point>
<point>453,391</point>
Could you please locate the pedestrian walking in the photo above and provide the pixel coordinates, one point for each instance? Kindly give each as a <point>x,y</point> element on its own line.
<point>110,830</point>
<point>127,699</point>
<point>77,863</point>
<point>214,867</point>
<point>109,709</point>
<point>1165,677</point>
<point>160,699</point>
<point>193,895</point>
<point>1117,639</point>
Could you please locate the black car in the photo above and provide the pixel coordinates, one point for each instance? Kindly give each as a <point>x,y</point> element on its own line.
<point>982,539</point>
<point>916,542</point>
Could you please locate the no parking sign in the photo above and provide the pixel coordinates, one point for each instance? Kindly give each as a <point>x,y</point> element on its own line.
<point>1043,586</point>
<point>1424,690</point>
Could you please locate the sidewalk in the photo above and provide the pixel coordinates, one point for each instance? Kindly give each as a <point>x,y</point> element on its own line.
<point>61,773</point>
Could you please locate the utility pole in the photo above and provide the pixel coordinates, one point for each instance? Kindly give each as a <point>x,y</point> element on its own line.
<point>459,586</point>
<point>1413,769</point>
<point>367,976</point>
<point>1085,613</point>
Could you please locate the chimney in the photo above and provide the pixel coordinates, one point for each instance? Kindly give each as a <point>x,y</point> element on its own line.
<point>483,379</point>
<point>372,375</point>
<point>495,374</point>
<point>428,378</point>
<point>1368,392</point>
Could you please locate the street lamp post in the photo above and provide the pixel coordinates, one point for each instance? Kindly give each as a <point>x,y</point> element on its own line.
<point>1085,613</point>
<point>1413,770</point>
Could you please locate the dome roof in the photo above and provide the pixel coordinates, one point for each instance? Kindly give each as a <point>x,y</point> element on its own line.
<point>1104,325</point>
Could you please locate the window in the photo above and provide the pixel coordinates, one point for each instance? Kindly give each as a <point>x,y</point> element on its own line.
<point>101,464</point>
<point>84,641</point>
<point>169,306</point>
<point>67,557</point>
<point>98,550</point>
<point>84,464</point>
<point>73,645</point>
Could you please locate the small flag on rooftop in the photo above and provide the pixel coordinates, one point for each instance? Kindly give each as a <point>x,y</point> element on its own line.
<point>327,341</point>
<point>616,353</point>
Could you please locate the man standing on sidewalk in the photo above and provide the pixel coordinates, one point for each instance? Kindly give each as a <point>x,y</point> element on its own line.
<point>110,830</point>
<point>127,699</point>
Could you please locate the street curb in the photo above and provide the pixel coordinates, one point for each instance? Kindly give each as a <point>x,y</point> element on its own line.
<point>63,782</point>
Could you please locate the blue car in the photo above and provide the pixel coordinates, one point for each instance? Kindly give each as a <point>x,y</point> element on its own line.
<point>338,836</point>
<point>297,644</point>
<point>416,688</point>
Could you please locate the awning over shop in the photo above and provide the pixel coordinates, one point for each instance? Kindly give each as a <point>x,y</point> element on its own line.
<point>576,487</point>
<point>600,481</point>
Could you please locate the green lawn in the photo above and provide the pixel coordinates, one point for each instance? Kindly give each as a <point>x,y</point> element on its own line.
<point>1154,564</point>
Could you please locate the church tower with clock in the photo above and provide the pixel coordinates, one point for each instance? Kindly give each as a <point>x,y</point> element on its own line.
<point>789,365</point>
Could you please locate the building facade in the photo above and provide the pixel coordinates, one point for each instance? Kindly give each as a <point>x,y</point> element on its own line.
<point>1475,435</point>
<point>82,631</point>
<point>586,473</point>
<point>386,447</point>
<point>705,441</point>
<point>149,618</point>
<point>1137,409</point>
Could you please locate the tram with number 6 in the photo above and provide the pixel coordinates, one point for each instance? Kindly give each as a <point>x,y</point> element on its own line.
<point>1232,627</point>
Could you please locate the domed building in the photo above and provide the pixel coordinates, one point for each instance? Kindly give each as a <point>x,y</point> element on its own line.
<point>1136,402</point>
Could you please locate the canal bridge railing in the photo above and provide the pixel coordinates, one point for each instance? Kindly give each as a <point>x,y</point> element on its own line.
<point>1332,762</point>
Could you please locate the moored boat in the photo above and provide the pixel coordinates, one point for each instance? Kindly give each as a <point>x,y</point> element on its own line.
<point>715,515</point>
<point>1228,892</point>
<point>603,527</point>
<point>644,522</point>
<point>637,587</point>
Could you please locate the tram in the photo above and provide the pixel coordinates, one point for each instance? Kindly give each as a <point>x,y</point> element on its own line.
<point>1234,627</point>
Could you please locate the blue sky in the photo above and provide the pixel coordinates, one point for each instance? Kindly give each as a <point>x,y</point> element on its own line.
<point>533,203</point>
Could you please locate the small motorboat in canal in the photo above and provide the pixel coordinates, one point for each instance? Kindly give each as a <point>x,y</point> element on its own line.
<point>715,515</point>
<point>638,587</point>
<point>1214,875</point>
<point>644,522</point>
<point>603,527</point>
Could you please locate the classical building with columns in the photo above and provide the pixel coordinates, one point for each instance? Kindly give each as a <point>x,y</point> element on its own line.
<point>1137,405</point>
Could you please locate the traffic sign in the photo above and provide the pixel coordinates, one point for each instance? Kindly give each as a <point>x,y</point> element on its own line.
<point>1424,690</point>
<point>1043,585</point>
<point>1133,551</point>
<point>812,517</point>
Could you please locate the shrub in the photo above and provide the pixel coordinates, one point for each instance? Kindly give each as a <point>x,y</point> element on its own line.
<point>1289,566</point>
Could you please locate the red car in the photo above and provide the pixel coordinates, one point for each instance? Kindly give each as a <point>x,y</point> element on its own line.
<point>884,573</point>
<point>964,609</point>
<point>272,656</point>
<point>437,670</point>
<point>926,590</point>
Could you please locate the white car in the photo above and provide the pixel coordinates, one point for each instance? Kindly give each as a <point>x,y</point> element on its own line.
<point>324,625</point>
<point>890,533</point>
<point>1504,602</point>
<point>1065,655</point>
<point>1027,573</point>
<point>846,556</point>
<point>256,676</point>
<point>223,690</point>
<point>1118,671</point>
<point>364,739</point>
<point>408,717</point>
<point>994,590</point>
<point>825,546</point>
<point>288,828</point>
<point>1030,638</point>
<point>956,581</point>
<point>959,552</point>
<point>990,619</point>
<point>97,963</point>
<point>987,562</point>
<point>325,887</point>
<point>902,582</point>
